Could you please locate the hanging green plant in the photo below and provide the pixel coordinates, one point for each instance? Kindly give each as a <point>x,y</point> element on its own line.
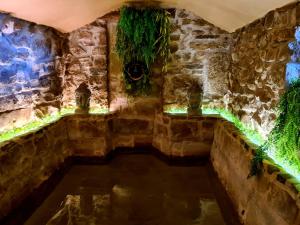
<point>142,37</point>
<point>283,143</point>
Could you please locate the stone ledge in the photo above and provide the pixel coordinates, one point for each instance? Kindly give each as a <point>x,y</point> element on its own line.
<point>259,200</point>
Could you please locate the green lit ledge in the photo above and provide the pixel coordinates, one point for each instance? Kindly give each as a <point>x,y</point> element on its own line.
<point>289,170</point>
<point>45,121</point>
<point>252,135</point>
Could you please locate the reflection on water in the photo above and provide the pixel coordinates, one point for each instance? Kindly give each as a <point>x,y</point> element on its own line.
<point>133,190</point>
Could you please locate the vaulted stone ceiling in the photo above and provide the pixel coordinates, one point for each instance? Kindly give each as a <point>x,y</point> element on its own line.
<point>68,15</point>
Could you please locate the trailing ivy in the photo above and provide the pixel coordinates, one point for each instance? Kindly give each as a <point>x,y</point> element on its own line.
<point>257,161</point>
<point>142,36</point>
<point>283,144</point>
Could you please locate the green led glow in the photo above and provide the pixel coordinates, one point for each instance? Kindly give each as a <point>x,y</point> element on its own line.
<point>289,168</point>
<point>252,135</point>
<point>39,123</point>
<point>29,127</point>
<point>98,111</point>
<point>283,144</point>
<point>175,109</point>
<point>67,110</point>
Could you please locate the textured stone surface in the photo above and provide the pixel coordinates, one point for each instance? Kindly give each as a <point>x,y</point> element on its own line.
<point>133,106</point>
<point>28,161</point>
<point>34,79</point>
<point>261,200</point>
<point>88,135</point>
<point>243,70</point>
<point>259,56</point>
<point>86,62</point>
<point>41,152</point>
<point>30,65</point>
<point>128,132</point>
<point>199,51</point>
<point>179,136</point>
<point>258,200</point>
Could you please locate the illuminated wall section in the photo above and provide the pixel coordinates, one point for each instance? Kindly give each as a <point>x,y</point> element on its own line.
<point>29,76</point>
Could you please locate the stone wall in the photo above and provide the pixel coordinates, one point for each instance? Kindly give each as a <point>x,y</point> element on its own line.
<point>88,135</point>
<point>268,199</point>
<point>199,51</point>
<point>86,62</point>
<point>178,136</point>
<point>46,69</point>
<point>30,65</point>
<point>42,152</point>
<point>26,162</point>
<point>264,200</point>
<point>40,73</point>
<point>141,107</point>
<point>259,56</point>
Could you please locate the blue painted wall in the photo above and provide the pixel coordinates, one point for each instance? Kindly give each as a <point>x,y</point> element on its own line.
<point>293,67</point>
<point>27,60</point>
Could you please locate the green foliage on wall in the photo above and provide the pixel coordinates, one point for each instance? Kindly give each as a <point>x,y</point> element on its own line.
<point>283,144</point>
<point>142,36</point>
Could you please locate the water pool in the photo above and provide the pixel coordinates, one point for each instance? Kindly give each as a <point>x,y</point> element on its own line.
<point>133,190</point>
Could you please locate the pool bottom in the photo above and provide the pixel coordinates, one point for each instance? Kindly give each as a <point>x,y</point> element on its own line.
<point>134,189</point>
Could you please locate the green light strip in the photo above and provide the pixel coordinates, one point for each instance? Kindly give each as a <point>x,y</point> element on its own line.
<point>39,123</point>
<point>289,169</point>
<point>252,135</point>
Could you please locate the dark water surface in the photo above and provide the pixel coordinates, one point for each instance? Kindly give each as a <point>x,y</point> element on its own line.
<point>132,190</point>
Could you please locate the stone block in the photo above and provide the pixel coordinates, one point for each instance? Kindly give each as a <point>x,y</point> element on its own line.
<point>260,213</point>
<point>183,130</point>
<point>15,118</point>
<point>86,129</point>
<point>143,140</point>
<point>121,140</point>
<point>89,147</point>
<point>258,200</point>
<point>206,135</point>
<point>147,107</point>
<point>156,143</point>
<point>160,130</point>
<point>195,148</point>
<point>132,126</point>
<point>282,204</point>
<point>176,149</point>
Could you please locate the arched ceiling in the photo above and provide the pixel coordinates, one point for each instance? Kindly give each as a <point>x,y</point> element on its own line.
<point>68,15</point>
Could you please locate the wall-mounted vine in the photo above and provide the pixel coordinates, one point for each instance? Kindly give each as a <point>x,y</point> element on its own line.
<point>142,37</point>
<point>283,143</point>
